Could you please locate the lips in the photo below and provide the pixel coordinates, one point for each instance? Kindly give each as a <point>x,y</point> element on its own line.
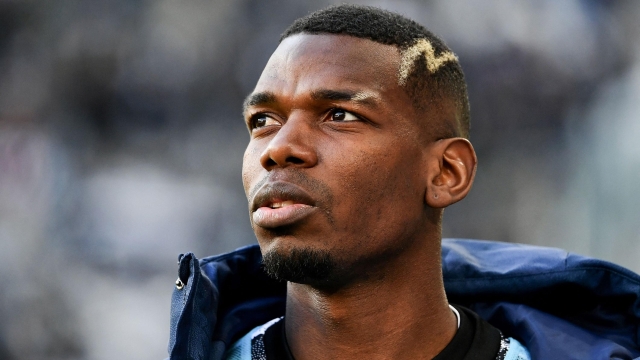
<point>280,204</point>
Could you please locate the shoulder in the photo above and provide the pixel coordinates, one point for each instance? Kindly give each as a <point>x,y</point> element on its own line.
<point>512,349</point>
<point>251,345</point>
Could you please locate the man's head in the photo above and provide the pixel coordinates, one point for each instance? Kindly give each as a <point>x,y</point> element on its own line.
<point>356,126</point>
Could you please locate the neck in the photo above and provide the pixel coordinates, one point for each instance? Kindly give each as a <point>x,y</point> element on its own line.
<point>401,313</point>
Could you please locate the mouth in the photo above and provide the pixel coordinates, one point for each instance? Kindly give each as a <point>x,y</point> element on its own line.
<point>280,204</point>
<point>280,194</point>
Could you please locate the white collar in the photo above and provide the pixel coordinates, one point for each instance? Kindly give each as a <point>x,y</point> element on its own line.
<point>456,313</point>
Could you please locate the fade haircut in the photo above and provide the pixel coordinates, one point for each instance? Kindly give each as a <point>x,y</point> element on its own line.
<point>429,71</point>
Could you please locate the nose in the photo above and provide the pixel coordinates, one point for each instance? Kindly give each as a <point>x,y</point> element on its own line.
<point>292,145</point>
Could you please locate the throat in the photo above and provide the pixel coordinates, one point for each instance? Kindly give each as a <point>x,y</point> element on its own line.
<point>343,325</point>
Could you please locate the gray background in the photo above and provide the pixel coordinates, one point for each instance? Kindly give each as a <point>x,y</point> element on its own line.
<point>121,142</point>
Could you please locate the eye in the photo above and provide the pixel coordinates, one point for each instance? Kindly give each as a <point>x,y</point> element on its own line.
<point>341,115</point>
<point>262,120</point>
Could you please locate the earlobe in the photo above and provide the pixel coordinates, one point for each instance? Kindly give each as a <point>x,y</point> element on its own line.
<point>452,168</point>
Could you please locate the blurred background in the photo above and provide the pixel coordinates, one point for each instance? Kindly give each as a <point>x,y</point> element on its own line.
<point>121,141</point>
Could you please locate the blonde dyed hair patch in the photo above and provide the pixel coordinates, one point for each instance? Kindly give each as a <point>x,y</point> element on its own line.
<point>422,47</point>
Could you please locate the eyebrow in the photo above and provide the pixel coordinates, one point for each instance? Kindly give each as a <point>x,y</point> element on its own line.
<point>261,98</point>
<point>362,97</point>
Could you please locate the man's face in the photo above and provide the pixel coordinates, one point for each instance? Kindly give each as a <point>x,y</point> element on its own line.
<point>335,161</point>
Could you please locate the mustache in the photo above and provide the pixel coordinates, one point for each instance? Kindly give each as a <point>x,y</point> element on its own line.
<point>290,185</point>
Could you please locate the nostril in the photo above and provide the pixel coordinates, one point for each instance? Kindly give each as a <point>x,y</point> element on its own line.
<point>294,160</point>
<point>270,163</point>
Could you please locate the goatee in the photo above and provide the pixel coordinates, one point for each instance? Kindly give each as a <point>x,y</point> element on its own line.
<point>304,266</point>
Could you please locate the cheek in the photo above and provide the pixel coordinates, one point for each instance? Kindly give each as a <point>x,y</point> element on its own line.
<point>250,168</point>
<point>380,193</point>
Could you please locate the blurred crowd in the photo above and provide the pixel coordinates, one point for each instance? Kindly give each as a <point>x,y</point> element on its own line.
<point>121,142</point>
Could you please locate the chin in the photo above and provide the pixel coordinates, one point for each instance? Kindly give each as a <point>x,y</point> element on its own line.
<point>300,265</point>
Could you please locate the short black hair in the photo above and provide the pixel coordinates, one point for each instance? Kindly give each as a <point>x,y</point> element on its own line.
<point>425,87</point>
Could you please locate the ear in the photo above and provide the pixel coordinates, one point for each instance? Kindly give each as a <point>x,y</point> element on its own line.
<point>451,170</point>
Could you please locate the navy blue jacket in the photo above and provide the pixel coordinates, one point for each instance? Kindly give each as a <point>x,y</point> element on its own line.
<point>558,304</point>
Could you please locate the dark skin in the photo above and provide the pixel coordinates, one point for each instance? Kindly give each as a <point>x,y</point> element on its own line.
<point>360,174</point>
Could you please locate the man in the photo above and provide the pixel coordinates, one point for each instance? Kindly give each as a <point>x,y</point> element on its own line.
<point>359,127</point>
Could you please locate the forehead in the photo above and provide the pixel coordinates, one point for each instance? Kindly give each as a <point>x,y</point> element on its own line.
<point>305,62</point>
